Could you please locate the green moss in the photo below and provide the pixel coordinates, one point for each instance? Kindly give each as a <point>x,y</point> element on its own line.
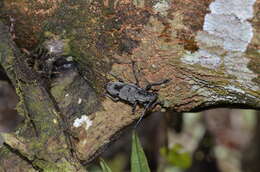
<point>4,151</point>
<point>7,59</point>
<point>49,35</point>
<point>58,90</point>
<point>20,105</point>
<point>61,166</point>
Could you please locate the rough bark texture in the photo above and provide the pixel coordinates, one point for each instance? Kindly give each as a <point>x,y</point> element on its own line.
<point>197,44</point>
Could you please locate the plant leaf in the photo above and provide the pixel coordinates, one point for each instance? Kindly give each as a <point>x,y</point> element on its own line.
<point>177,157</point>
<point>138,159</point>
<point>104,166</point>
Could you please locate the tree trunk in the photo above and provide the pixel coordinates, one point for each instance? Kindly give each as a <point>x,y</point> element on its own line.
<point>250,160</point>
<point>210,56</point>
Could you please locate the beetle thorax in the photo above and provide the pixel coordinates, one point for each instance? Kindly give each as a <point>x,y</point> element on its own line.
<point>145,97</point>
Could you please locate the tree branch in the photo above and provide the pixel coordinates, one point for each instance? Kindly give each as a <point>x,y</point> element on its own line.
<point>208,65</point>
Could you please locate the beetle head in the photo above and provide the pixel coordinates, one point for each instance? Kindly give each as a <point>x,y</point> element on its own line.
<point>113,88</point>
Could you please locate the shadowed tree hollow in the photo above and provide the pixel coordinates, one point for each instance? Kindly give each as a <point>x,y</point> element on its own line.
<point>59,55</point>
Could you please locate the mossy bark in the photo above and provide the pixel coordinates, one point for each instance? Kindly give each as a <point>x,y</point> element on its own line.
<point>102,37</point>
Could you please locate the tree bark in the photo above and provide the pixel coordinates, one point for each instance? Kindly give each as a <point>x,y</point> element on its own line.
<point>211,57</point>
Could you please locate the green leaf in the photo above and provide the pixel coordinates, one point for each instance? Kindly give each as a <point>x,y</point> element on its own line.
<point>104,166</point>
<point>138,159</point>
<point>177,156</point>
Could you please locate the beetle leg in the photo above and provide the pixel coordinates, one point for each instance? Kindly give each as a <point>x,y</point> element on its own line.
<point>149,86</point>
<point>143,114</point>
<point>152,105</point>
<point>135,73</point>
<point>115,99</point>
<point>134,108</point>
<point>118,78</point>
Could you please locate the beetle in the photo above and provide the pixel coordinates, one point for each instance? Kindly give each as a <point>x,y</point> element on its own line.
<point>133,94</point>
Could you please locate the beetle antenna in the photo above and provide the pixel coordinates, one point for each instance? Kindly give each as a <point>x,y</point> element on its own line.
<point>149,86</point>
<point>144,112</point>
<point>117,77</point>
<point>140,119</point>
<point>149,106</point>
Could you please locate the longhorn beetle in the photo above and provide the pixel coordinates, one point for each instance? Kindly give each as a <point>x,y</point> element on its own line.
<point>133,94</point>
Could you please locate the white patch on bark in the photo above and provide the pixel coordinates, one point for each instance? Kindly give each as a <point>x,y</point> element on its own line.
<point>84,120</point>
<point>236,34</point>
<point>162,7</point>
<point>70,58</point>
<point>80,101</point>
<point>239,8</point>
<point>224,39</point>
<point>204,58</point>
<point>55,46</point>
